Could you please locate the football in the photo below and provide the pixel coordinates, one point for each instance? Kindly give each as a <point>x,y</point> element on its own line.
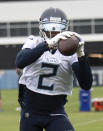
<point>69,46</point>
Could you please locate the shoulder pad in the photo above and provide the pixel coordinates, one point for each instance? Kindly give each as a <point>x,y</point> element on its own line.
<point>31,37</point>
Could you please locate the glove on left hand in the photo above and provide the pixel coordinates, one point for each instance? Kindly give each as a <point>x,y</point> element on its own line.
<point>80,50</point>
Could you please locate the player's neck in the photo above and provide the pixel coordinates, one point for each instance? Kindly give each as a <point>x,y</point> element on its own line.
<point>53,51</point>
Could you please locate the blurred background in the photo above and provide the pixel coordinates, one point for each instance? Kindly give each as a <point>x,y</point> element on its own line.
<point>19,19</point>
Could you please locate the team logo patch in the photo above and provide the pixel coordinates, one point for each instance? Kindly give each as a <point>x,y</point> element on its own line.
<point>31,38</point>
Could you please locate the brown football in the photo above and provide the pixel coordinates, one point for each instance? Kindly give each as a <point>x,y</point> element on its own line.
<point>69,46</point>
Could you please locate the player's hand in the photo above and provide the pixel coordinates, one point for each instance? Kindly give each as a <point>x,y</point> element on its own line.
<point>80,50</point>
<point>67,33</point>
<point>53,42</point>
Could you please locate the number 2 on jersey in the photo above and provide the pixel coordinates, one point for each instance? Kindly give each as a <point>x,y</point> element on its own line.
<point>42,76</point>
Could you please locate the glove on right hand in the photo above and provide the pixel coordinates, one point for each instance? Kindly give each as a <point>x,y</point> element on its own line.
<point>53,42</point>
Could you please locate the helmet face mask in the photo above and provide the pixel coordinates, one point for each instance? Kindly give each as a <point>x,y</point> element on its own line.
<point>53,20</point>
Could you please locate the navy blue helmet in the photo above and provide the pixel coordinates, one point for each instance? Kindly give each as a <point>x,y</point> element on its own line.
<point>53,20</point>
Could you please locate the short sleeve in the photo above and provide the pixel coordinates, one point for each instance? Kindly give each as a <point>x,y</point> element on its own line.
<point>74,58</point>
<point>30,42</point>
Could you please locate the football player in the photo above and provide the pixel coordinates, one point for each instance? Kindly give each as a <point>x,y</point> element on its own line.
<point>48,75</point>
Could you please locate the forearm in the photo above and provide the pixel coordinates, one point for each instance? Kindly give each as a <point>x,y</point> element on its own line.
<point>83,73</point>
<point>27,56</point>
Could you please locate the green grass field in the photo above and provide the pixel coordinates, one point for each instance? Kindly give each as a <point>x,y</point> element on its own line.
<point>82,121</point>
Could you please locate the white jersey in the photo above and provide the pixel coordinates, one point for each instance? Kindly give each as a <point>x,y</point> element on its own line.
<point>50,74</point>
